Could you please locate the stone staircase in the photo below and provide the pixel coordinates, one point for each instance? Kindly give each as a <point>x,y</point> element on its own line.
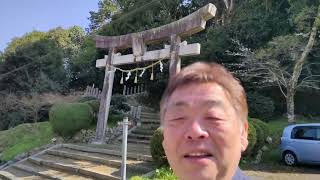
<point>81,161</point>
<point>141,135</point>
<point>89,161</point>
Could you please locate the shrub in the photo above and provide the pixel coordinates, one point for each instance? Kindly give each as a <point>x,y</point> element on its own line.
<point>252,138</point>
<point>260,137</point>
<point>157,151</point>
<point>260,106</point>
<point>162,173</point>
<point>113,119</point>
<point>68,118</point>
<point>13,111</point>
<point>263,125</point>
<point>165,173</point>
<point>94,104</point>
<point>118,104</point>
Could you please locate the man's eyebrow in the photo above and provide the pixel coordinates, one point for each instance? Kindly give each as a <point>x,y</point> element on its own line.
<point>178,104</point>
<point>208,103</point>
<point>212,103</point>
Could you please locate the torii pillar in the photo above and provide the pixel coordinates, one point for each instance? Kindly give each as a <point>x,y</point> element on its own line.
<point>174,31</point>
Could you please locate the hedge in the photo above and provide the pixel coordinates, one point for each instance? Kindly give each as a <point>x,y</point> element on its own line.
<point>157,151</point>
<point>260,137</point>
<point>68,118</point>
<point>252,138</point>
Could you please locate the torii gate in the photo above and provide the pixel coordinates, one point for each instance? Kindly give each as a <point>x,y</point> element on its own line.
<point>186,26</point>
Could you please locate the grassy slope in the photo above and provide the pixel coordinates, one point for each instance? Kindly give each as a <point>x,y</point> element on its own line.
<point>24,138</point>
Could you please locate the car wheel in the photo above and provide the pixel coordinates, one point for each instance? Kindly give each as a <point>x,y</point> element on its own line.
<point>289,158</point>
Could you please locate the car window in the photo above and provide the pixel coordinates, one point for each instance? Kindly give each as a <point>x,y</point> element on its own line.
<point>305,132</point>
<point>318,132</point>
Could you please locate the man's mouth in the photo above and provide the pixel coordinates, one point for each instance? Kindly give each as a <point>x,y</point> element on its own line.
<point>198,155</point>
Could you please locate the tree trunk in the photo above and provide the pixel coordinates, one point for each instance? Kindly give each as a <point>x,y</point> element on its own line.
<point>290,105</point>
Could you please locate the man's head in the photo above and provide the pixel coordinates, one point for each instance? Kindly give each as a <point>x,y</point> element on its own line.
<point>204,119</point>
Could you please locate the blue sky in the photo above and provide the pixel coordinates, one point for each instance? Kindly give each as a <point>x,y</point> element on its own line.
<point>18,17</point>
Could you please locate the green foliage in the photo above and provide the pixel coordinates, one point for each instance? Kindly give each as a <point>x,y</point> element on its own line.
<point>28,38</point>
<point>253,22</point>
<point>304,19</point>
<point>68,118</point>
<point>40,68</point>
<point>263,125</point>
<point>283,50</point>
<point>94,104</point>
<point>139,178</point>
<point>252,138</point>
<point>260,106</point>
<point>218,41</point>
<point>165,173</point>
<point>260,137</point>
<point>113,119</point>
<point>105,10</point>
<point>23,138</point>
<point>160,174</point>
<point>82,65</point>
<point>40,61</point>
<point>157,151</point>
<point>13,111</point>
<point>118,104</point>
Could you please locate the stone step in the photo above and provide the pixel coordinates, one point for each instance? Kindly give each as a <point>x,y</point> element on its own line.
<point>147,121</point>
<point>117,152</point>
<point>7,175</point>
<point>148,109</point>
<point>142,131</point>
<point>150,115</point>
<point>138,141</point>
<point>140,167</point>
<point>19,174</point>
<point>34,171</point>
<point>85,168</point>
<point>139,136</point>
<point>117,146</point>
<point>150,126</point>
<point>46,172</point>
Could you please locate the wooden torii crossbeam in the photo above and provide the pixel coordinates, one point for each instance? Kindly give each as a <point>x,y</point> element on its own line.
<point>184,27</point>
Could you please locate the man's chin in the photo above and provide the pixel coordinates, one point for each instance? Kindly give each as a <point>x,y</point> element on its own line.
<point>200,174</point>
<point>199,169</point>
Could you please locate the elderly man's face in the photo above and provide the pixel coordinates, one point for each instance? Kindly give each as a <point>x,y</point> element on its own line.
<point>203,135</point>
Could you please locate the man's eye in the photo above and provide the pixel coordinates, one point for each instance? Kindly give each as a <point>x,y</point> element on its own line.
<point>177,119</point>
<point>211,118</point>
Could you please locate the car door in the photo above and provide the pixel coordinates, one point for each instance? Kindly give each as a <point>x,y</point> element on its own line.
<point>304,141</point>
<point>317,149</point>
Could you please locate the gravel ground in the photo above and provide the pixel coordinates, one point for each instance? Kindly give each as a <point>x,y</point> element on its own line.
<point>265,172</point>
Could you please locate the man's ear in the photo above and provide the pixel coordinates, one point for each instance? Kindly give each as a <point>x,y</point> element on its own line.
<point>244,136</point>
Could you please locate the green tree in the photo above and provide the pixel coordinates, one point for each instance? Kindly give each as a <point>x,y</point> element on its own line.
<point>106,8</point>
<point>286,61</point>
<point>40,61</point>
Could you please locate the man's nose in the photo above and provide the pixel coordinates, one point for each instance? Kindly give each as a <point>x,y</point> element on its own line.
<point>196,131</point>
